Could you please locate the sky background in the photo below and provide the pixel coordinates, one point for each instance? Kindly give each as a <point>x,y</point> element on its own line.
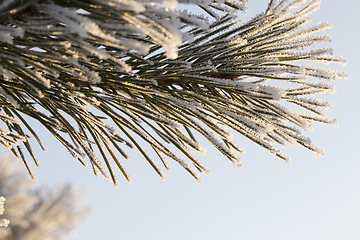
<point>311,199</point>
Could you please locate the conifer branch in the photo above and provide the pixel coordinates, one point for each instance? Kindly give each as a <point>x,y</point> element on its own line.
<point>160,74</point>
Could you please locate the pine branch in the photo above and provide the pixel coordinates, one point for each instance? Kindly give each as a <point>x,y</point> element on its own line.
<point>158,75</point>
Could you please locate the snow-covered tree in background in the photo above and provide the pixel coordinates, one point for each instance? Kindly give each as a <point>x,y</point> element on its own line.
<point>35,213</point>
<point>160,75</point>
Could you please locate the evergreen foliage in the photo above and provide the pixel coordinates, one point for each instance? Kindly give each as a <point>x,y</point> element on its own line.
<point>160,75</point>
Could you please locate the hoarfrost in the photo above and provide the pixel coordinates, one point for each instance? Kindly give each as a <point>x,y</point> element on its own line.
<point>9,98</point>
<point>3,222</point>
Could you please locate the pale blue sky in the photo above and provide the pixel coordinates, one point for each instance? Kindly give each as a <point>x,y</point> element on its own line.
<point>312,199</point>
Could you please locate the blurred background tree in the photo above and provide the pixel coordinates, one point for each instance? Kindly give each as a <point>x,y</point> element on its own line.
<point>35,212</point>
